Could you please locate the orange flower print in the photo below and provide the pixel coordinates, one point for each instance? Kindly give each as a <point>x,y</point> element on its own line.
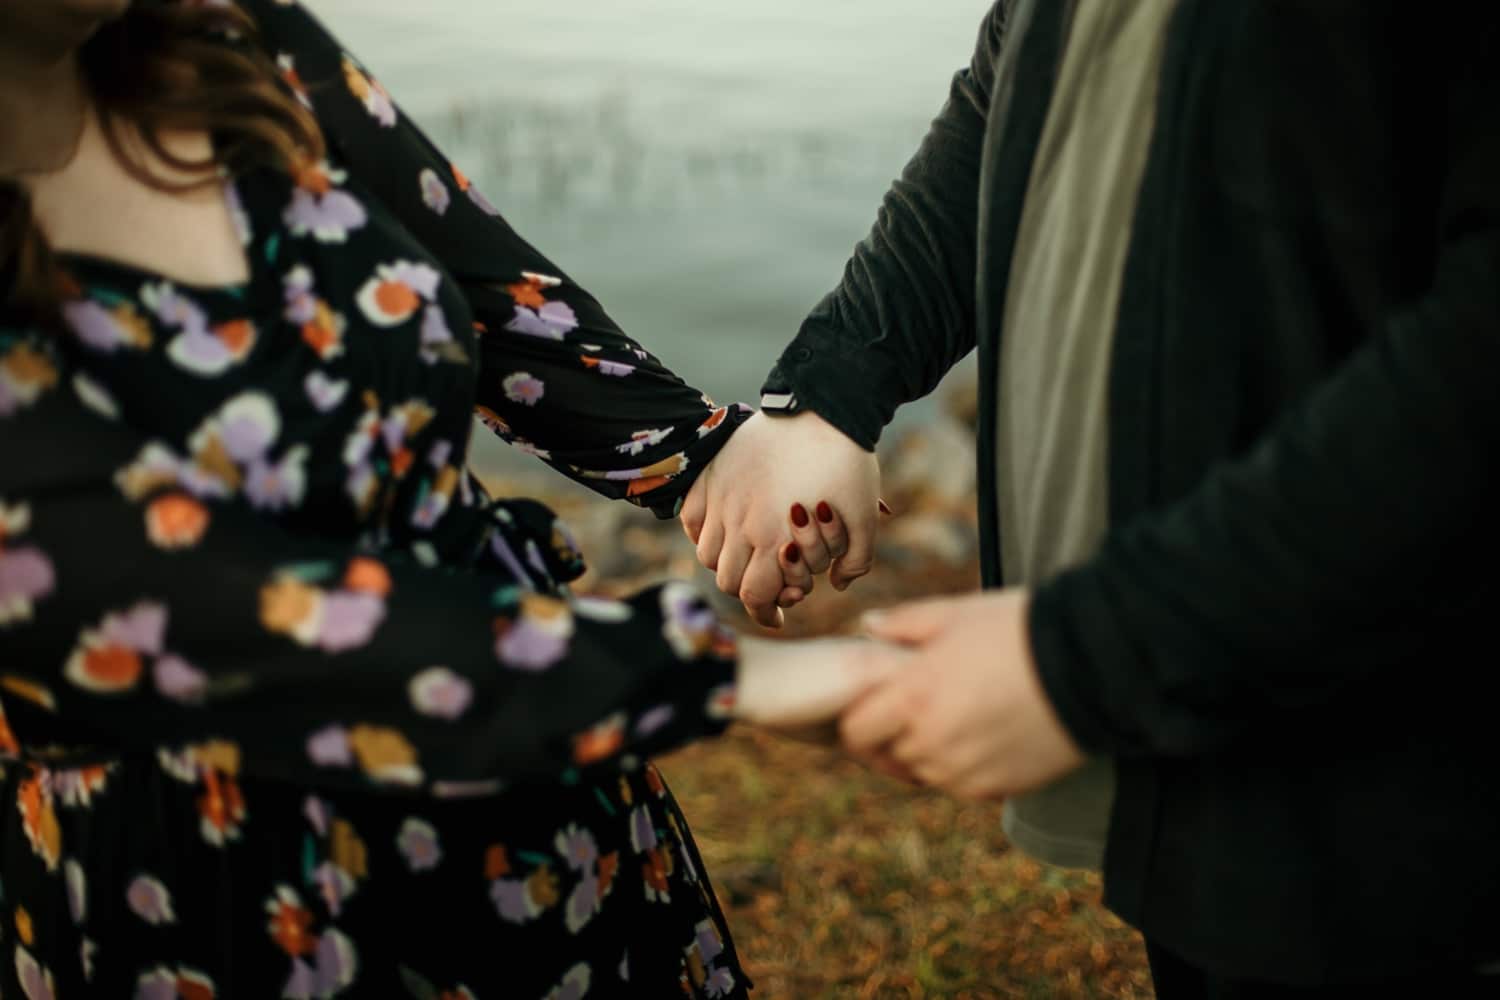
<point>385,755</point>
<point>23,926</point>
<point>181,983</point>
<point>656,871</point>
<point>601,742</point>
<point>176,521</point>
<point>109,659</point>
<point>38,818</point>
<point>496,862</point>
<point>290,924</point>
<point>367,576</point>
<point>320,208</point>
<point>287,67</point>
<point>322,328</point>
<point>33,692</point>
<point>714,420</point>
<point>25,373</point>
<point>536,315</point>
<point>528,292</point>
<point>370,93</point>
<point>221,808</point>
<point>9,745</point>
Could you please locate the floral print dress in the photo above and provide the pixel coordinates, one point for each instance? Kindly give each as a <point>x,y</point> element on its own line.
<point>288,706</point>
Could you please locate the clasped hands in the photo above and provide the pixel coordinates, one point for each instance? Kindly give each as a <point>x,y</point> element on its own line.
<point>942,692</point>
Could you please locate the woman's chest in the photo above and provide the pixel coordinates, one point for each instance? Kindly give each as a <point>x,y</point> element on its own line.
<point>342,369</point>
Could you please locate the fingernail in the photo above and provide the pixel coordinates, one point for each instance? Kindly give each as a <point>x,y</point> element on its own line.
<point>885,508</point>
<point>799,515</point>
<point>794,552</point>
<point>825,512</point>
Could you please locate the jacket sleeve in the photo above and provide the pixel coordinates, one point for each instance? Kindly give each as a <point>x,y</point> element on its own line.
<point>903,315</point>
<point>1345,542</point>
<point>559,378</point>
<point>137,613</point>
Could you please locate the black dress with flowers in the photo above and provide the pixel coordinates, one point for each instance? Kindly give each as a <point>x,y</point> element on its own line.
<point>288,706</point>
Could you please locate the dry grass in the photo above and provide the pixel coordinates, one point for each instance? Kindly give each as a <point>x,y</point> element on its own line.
<point>840,883</point>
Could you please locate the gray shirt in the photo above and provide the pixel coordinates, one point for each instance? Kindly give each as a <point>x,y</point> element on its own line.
<point>1061,301</point>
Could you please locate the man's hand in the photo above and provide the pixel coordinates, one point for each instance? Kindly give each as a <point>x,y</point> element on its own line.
<point>740,512</point>
<point>968,715</point>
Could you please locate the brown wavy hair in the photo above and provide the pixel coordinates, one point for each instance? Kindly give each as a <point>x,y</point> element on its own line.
<point>163,66</point>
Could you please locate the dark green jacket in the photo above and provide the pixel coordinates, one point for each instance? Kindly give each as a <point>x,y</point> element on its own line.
<point>1286,641</point>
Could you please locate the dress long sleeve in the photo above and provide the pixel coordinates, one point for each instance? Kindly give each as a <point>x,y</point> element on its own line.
<point>134,616</point>
<point>559,378</point>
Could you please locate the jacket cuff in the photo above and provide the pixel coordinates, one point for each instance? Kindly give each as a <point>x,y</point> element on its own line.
<point>847,391</point>
<point>1060,648</point>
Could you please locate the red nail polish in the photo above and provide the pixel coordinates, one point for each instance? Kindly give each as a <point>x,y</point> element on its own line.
<point>825,512</point>
<point>793,553</point>
<point>799,515</point>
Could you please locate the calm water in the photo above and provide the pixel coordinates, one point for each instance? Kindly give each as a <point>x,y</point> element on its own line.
<point>703,167</point>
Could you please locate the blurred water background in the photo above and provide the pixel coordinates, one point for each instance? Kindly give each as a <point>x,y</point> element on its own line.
<point>704,167</point>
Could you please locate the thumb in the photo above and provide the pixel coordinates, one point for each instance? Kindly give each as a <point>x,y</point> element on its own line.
<point>915,623</point>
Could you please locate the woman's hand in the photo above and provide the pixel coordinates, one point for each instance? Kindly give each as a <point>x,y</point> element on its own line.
<point>799,687</point>
<point>743,512</point>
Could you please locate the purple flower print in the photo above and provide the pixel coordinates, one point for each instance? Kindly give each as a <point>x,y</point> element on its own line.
<point>316,811</point>
<point>179,680</point>
<point>328,216</point>
<point>530,646</point>
<point>654,720</point>
<point>104,329</point>
<point>349,620</point>
<point>574,986</point>
<point>641,440</point>
<point>440,693</point>
<point>483,203</point>
<point>150,900</point>
<point>77,886</point>
<point>275,486</point>
<point>36,982</point>
<point>614,369</point>
<point>247,426</point>
<point>418,844</point>
<point>26,576</point>
<point>333,971</point>
<point>710,945</point>
<point>142,628</point>
<point>237,213</point>
<point>642,830</point>
<point>577,848</point>
<point>334,884</point>
<point>583,902</point>
<point>173,309</point>
<point>323,392</point>
<point>158,984</point>
<point>437,341</point>
<point>434,192</point>
<point>420,278</point>
<point>329,747</point>
<point>513,900</point>
<point>523,388</point>
<point>552,320</point>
